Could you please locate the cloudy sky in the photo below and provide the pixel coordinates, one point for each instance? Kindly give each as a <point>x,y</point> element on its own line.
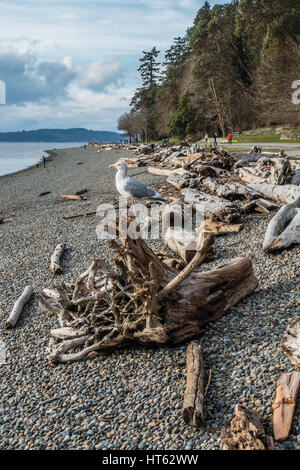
<point>72,63</point>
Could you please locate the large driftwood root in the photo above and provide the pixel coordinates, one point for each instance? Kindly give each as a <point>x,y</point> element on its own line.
<point>287,389</point>
<point>245,432</point>
<point>291,342</point>
<point>194,392</point>
<point>143,300</point>
<point>284,229</point>
<point>18,307</point>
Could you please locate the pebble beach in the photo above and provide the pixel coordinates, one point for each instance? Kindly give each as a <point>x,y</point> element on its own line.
<point>132,398</point>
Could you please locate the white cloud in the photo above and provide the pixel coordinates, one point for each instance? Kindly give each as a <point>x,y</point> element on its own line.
<point>98,75</point>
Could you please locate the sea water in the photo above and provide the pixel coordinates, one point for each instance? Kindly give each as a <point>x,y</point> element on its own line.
<point>16,156</point>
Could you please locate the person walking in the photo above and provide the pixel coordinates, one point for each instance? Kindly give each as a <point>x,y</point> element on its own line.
<point>215,139</point>
<point>229,138</point>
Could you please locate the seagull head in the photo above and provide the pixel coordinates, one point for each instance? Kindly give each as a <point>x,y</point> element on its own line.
<point>121,167</point>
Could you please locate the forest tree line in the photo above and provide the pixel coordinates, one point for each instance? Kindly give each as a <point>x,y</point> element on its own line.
<point>232,71</point>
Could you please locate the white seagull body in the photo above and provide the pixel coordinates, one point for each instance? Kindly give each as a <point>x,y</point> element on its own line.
<point>131,188</point>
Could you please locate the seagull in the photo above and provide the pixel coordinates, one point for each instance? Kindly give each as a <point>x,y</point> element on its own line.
<point>131,188</point>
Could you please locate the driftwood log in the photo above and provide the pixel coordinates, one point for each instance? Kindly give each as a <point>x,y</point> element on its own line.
<point>73,198</point>
<point>194,392</point>
<point>55,266</point>
<point>219,228</point>
<point>283,230</point>
<point>18,307</point>
<point>143,300</point>
<point>184,243</point>
<point>287,389</point>
<point>229,190</point>
<point>245,432</point>
<point>212,206</point>
<point>285,194</point>
<point>248,177</point>
<point>179,181</point>
<point>291,342</point>
<point>260,205</point>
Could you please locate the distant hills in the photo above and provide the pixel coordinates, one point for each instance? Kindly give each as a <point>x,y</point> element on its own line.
<point>60,135</point>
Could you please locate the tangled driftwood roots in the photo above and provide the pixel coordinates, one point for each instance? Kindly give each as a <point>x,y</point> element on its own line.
<point>143,300</point>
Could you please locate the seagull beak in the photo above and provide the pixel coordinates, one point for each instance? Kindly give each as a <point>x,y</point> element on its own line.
<point>112,166</point>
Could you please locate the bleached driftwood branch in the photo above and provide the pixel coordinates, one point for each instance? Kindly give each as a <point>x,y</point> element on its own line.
<point>55,266</point>
<point>18,307</point>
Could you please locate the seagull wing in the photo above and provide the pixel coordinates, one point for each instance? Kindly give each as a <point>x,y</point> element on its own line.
<point>139,190</point>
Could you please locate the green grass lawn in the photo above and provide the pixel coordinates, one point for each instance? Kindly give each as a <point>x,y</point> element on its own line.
<point>260,139</point>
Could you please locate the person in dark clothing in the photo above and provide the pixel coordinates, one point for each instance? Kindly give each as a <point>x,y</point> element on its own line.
<point>215,139</point>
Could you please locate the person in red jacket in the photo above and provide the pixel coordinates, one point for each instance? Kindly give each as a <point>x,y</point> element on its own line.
<point>229,138</point>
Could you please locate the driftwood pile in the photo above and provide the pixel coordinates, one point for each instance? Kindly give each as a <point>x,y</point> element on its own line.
<point>143,300</point>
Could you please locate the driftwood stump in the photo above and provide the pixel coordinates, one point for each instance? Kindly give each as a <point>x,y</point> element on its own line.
<point>287,389</point>
<point>283,230</point>
<point>143,300</point>
<point>194,392</point>
<point>245,432</point>
<point>291,342</point>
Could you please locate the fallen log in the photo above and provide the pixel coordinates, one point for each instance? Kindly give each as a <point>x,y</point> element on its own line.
<point>245,432</point>
<point>55,266</point>
<point>73,198</point>
<point>283,230</point>
<point>212,206</point>
<point>249,177</point>
<point>287,389</point>
<point>229,190</point>
<point>179,181</point>
<point>219,228</point>
<point>18,307</point>
<point>284,194</point>
<point>260,205</point>
<point>291,342</point>
<point>194,392</point>
<point>147,301</point>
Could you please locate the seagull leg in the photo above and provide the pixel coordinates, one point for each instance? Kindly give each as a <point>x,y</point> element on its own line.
<point>130,210</point>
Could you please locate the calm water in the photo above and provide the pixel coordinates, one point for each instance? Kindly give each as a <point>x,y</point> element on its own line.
<point>16,156</point>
